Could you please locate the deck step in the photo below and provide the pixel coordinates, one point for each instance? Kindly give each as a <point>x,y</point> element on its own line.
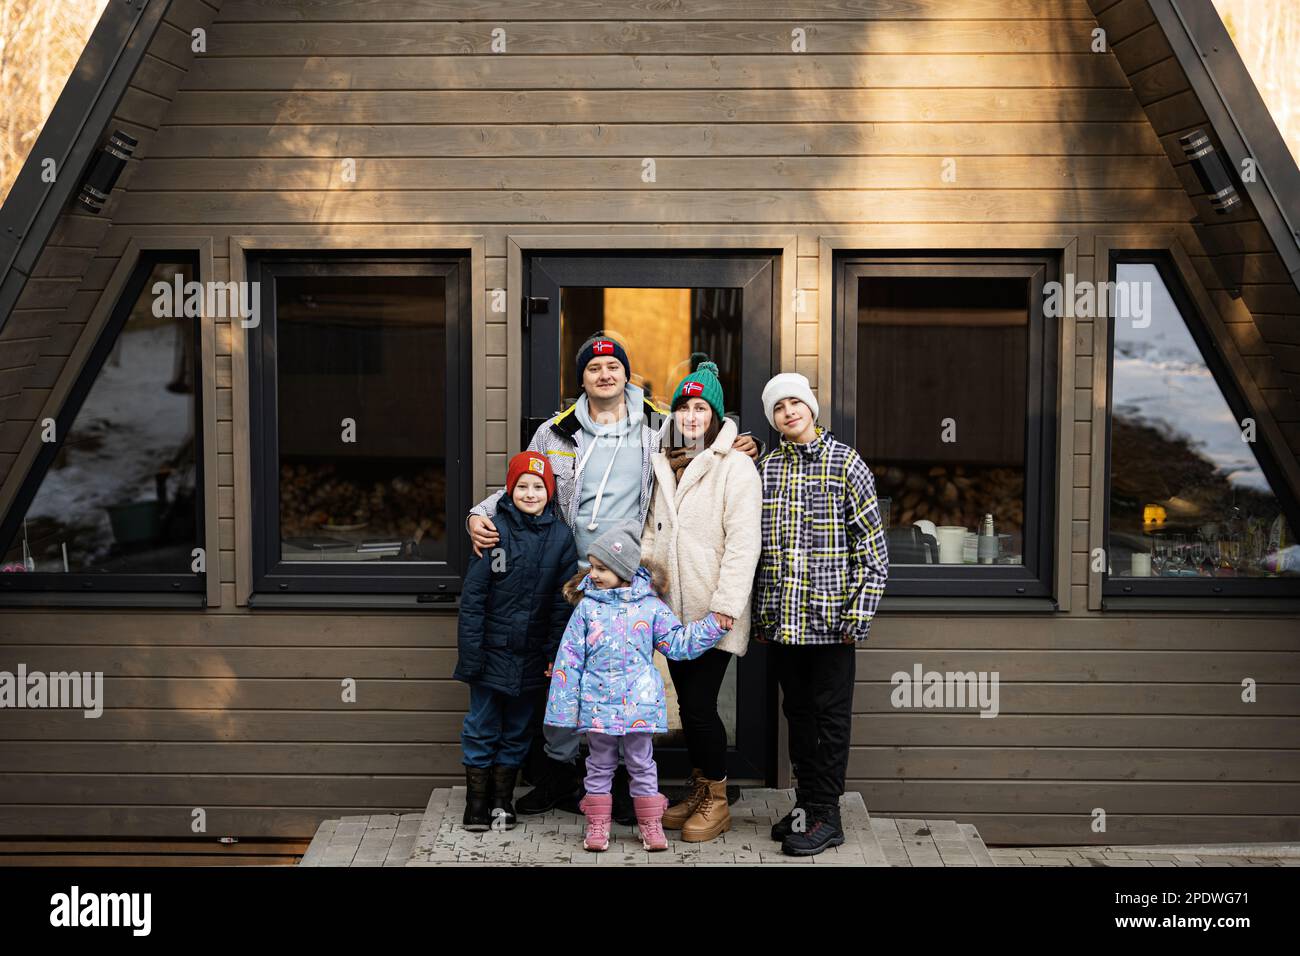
<point>975,843</point>
<point>381,839</point>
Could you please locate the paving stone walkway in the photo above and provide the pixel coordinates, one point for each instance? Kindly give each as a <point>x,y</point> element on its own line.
<point>436,838</point>
<point>1260,855</point>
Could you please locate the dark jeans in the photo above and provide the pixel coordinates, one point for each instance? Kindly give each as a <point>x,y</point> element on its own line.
<point>697,683</point>
<point>496,728</point>
<point>817,687</point>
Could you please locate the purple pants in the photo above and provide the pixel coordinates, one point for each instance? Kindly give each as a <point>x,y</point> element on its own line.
<point>638,754</point>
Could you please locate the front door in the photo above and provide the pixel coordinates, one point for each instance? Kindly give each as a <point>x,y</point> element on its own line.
<point>670,312</point>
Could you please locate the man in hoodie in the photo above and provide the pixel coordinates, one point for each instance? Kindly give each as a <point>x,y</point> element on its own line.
<point>599,449</point>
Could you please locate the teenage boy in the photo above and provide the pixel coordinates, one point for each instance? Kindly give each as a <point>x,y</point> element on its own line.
<point>599,449</point>
<point>820,577</point>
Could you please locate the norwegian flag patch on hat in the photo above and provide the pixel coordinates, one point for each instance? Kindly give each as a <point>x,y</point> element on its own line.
<point>602,347</point>
<point>693,388</point>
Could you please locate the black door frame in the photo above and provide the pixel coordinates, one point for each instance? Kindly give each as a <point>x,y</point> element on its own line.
<point>752,752</point>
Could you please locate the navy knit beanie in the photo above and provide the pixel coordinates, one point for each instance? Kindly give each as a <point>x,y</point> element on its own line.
<point>601,345</point>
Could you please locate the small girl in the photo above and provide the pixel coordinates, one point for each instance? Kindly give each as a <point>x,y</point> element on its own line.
<point>512,613</point>
<point>605,682</point>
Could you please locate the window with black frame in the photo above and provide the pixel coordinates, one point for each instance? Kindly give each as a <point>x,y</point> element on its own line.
<point>114,500</point>
<point>360,423</point>
<point>946,387</point>
<point>1192,500</point>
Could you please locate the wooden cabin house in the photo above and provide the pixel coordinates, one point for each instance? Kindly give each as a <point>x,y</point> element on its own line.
<point>307,272</point>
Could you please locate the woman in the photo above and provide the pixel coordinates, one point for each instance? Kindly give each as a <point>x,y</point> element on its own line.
<point>704,528</point>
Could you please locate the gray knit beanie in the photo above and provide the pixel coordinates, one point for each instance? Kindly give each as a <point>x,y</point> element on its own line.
<point>619,549</point>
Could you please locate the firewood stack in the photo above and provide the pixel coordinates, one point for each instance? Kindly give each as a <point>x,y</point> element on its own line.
<point>953,495</point>
<point>410,507</point>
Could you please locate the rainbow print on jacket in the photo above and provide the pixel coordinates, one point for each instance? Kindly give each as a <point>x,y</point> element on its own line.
<point>604,677</point>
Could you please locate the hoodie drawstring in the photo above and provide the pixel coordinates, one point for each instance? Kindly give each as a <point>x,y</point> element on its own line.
<point>600,492</point>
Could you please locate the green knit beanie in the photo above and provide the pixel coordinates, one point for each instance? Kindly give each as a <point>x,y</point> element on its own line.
<point>702,383</point>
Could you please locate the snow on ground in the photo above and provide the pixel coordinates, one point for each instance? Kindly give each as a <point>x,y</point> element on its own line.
<point>139,426</point>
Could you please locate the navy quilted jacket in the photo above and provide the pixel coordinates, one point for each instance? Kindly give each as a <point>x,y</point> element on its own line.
<point>512,609</point>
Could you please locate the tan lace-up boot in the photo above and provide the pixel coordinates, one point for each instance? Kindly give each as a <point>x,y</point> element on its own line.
<point>679,813</point>
<point>712,817</point>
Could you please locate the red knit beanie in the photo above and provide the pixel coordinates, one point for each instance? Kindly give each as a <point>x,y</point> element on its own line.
<point>530,462</point>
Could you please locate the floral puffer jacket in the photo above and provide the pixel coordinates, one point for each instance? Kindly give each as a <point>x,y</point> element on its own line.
<point>604,677</point>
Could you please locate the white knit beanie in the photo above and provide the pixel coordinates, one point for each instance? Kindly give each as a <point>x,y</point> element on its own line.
<point>788,385</point>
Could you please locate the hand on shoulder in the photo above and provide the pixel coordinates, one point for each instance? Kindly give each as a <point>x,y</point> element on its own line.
<point>746,445</point>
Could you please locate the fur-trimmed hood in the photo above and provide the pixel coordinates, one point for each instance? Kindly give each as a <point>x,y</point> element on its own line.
<point>655,576</point>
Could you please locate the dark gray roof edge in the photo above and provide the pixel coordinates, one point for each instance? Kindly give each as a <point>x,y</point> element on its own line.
<point>1240,119</point>
<point>71,137</point>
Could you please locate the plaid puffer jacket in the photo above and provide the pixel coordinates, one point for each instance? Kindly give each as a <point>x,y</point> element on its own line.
<point>824,562</point>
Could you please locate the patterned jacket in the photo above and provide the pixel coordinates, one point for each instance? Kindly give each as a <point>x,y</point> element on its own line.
<point>824,562</point>
<point>564,442</point>
<point>604,677</point>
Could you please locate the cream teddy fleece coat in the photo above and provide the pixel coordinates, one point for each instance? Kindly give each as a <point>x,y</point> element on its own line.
<point>707,533</point>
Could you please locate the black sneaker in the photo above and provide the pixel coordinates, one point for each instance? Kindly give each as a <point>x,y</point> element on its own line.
<point>478,799</point>
<point>557,786</point>
<point>823,832</point>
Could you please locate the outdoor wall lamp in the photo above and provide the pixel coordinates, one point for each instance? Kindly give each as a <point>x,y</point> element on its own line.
<point>108,166</point>
<point>1210,170</point>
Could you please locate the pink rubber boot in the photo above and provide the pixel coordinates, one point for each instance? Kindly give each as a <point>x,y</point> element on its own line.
<point>650,821</point>
<point>599,810</point>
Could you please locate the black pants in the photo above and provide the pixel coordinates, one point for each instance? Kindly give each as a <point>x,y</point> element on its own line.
<point>817,687</point>
<point>698,683</point>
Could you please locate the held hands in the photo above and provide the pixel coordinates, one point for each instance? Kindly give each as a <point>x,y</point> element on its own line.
<point>483,534</point>
<point>725,621</point>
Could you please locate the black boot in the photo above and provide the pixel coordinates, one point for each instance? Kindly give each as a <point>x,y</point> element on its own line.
<point>531,768</point>
<point>557,786</point>
<point>503,797</point>
<point>478,798</point>
<point>785,826</point>
<point>823,832</point>
<point>624,808</point>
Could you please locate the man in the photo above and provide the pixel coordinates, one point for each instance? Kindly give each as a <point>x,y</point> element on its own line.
<point>599,451</point>
<point>821,574</point>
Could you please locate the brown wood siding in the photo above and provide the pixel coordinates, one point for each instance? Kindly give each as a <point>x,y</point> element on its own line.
<point>1264,289</point>
<point>65,277</point>
<point>239,711</point>
<point>241,714</point>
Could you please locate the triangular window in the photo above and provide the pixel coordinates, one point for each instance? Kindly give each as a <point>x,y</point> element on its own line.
<point>113,501</point>
<point>1194,503</point>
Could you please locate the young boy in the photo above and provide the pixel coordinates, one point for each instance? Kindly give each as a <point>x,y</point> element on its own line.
<point>820,577</point>
<point>605,683</point>
<point>512,613</point>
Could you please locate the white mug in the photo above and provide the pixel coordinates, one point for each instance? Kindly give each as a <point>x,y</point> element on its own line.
<point>952,538</point>
<point>1141,566</point>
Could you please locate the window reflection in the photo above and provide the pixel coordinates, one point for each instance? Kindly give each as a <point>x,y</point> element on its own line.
<point>1188,496</point>
<point>120,494</point>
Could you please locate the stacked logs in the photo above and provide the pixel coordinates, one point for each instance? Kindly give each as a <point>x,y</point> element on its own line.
<point>409,507</point>
<point>953,495</point>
